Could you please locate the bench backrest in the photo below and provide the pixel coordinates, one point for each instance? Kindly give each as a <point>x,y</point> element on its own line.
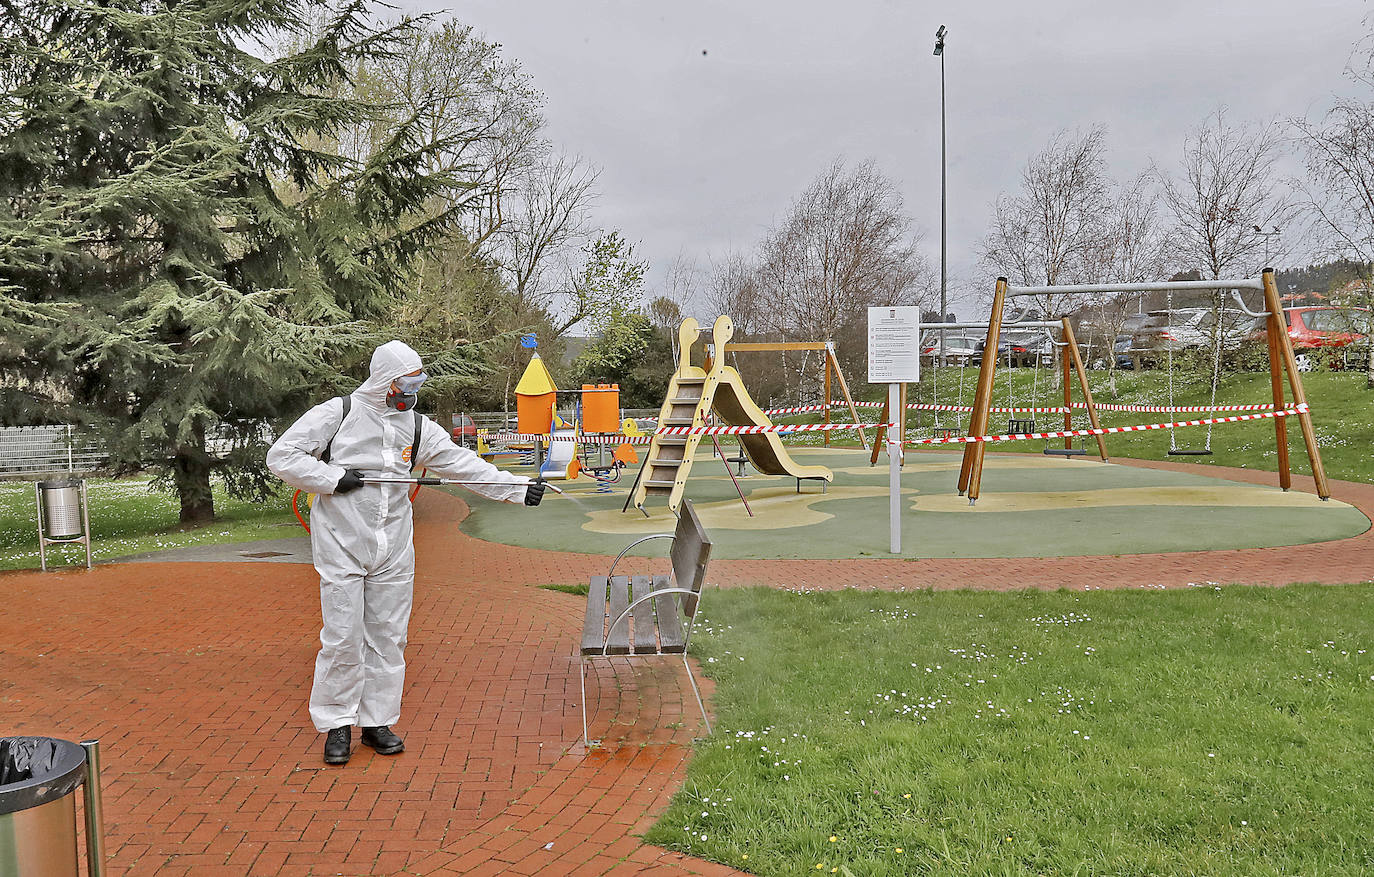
<point>691,551</point>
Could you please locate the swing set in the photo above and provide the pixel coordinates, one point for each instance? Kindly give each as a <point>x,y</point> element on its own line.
<point>1281,363</point>
<point>1072,363</point>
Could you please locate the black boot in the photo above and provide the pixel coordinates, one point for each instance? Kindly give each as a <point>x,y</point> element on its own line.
<point>381,739</point>
<point>338,745</point>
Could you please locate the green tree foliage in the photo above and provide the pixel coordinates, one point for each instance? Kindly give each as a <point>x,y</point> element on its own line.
<point>163,188</point>
<point>609,296</point>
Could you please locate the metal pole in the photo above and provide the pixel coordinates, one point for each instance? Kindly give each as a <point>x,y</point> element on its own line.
<point>95,816</point>
<point>42,537</point>
<point>86,522</point>
<point>944,277</point>
<point>894,474</point>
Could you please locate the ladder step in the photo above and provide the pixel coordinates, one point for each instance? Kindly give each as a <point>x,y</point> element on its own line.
<point>690,381</point>
<point>685,401</point>
<point>666,464</point>
<point>677,421</point>
<point>662,485</point>
<point>676,440</point>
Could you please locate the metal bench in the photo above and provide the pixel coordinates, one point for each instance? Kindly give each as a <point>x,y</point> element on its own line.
<point>648,615</point>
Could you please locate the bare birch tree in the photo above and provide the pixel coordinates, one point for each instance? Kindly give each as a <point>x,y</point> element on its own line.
<point>1339,155</point>
<point>1226,186</point>
<point>1133,249</point>
<point>1050,233</point>
<point>844,245</point>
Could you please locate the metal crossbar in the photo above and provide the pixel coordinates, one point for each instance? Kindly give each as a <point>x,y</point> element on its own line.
<point>1176,286</point>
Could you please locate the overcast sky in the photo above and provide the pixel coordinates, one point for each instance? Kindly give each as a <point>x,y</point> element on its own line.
<point>707,117</point>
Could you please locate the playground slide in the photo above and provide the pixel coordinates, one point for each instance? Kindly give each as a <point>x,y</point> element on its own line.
<point>735,406</point>
<point>560,454</point>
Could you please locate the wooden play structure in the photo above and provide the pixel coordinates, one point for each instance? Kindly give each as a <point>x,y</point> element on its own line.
<point>694,394</point>
<point>830,368</point>
<point>1281,363</point>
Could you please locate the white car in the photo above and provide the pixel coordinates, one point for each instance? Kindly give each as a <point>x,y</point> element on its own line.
<point>960,349</point>
<point>1191,328</point>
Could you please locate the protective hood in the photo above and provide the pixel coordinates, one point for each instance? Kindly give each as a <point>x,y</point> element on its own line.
<point>389,362</point>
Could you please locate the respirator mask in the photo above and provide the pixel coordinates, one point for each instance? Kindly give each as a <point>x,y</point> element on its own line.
<point>405,391</point>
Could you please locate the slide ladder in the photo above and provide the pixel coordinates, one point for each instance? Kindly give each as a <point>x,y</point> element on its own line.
<point>693,393</point>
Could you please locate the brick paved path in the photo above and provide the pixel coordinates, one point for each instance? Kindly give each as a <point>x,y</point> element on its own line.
<point>194,676</point>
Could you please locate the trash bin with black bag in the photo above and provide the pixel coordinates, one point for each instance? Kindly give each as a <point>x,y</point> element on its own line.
<point>39,777</point>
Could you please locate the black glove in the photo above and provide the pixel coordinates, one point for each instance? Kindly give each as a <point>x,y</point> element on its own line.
<point>534,494</point>
<point>349,481</point>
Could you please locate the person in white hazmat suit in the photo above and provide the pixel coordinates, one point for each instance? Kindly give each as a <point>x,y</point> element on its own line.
<point>361,538</point>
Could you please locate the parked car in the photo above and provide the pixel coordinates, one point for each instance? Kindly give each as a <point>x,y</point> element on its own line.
<point>1316,329</point>
<point>1121,348</point>
<point>1165,332</point>
<point>1021,348</point>
<point>464,431</point>
<point>959,349</point>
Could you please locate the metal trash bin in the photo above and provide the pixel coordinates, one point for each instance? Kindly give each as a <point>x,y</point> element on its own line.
<point>62,507</point>
<point>63,516</point>
<point>38,781</point>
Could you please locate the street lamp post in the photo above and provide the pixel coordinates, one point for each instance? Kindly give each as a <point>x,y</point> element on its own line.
<point>1272,233</point>
<point>944,307</point>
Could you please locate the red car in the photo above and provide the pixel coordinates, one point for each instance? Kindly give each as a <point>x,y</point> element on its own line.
<point>1313,328</point>
<point>464,431</point>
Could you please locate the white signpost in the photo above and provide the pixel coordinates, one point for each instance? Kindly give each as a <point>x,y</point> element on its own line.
<point>894,358</point>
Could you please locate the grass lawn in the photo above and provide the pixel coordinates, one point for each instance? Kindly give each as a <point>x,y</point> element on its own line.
<point>129,518</point>
<point>1218,731</point>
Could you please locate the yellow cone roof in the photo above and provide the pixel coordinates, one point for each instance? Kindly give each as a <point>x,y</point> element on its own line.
<point>536,381</point>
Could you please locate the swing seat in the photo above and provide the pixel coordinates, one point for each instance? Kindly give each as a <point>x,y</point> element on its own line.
<point>1189,452</point>
<point>1065,452</point>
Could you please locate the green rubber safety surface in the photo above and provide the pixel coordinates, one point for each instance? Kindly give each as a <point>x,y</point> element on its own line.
<point>1030,507</point>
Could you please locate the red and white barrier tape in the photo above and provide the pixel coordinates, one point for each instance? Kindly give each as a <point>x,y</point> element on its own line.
<point>594,439</point>
<point>1177,409</point>
<point>1107,430</point>
<point>755,430</point>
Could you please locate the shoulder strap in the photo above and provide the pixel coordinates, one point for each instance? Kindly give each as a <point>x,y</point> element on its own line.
<point>347,404</point>
<point>415,443</point>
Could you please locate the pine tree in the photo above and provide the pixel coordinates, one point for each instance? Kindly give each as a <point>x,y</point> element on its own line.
<point>181,262</point>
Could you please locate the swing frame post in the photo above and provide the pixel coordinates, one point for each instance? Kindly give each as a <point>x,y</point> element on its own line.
<point>1271,329</point>
<point>971,469</point>
<point>1071,347</point>
<point>825,365</point>
<point>1274,305</point>
<point>1067,364</point>
<point>881,435</point>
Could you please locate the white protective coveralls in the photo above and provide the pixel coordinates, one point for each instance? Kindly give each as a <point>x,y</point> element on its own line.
<point>361,540</point>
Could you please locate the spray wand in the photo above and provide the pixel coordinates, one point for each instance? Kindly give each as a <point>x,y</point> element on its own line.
<point>435,482</point>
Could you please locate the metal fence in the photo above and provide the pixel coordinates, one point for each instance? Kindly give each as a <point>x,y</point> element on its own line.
<point>41,450</point>
<point>44,450</point>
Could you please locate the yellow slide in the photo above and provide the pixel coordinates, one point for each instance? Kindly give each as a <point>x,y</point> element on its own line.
<point>736,407</point>
<point>693,393</point>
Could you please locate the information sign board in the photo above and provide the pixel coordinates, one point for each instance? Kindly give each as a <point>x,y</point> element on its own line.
<point>894,345</point>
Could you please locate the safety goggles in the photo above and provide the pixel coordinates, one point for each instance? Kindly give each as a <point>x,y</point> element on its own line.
<point>411,383</point>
